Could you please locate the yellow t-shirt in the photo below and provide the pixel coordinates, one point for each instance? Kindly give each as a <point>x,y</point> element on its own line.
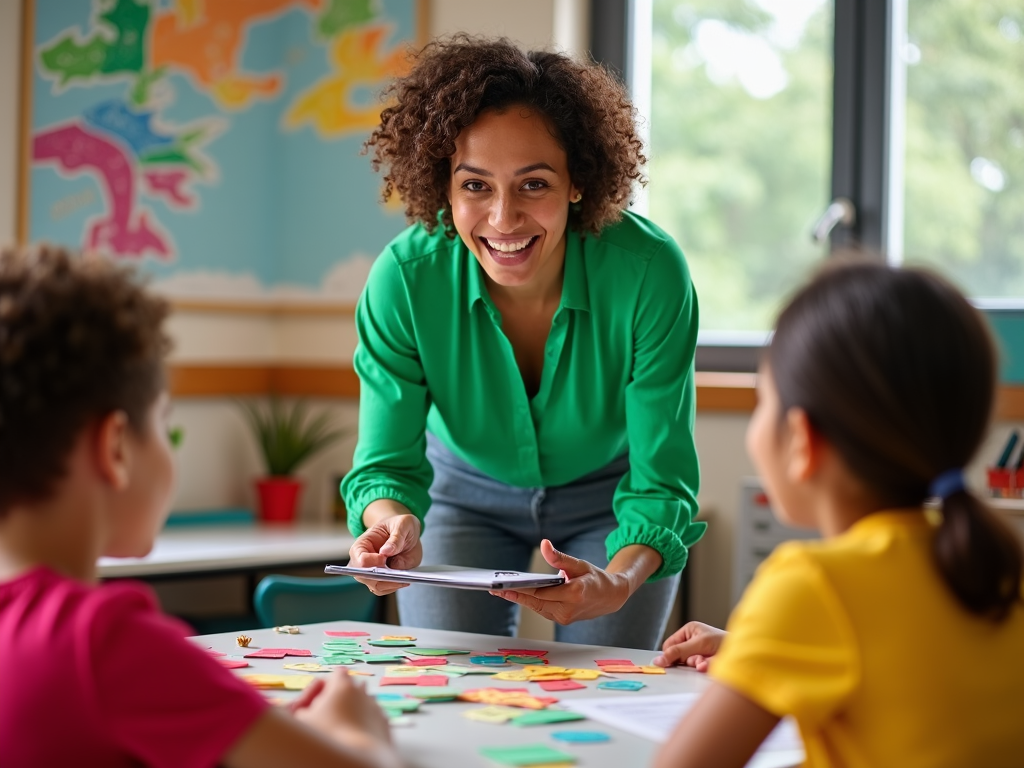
<point>860,640</point>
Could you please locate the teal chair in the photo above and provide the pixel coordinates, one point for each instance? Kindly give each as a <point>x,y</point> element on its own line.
<point>294,600</point>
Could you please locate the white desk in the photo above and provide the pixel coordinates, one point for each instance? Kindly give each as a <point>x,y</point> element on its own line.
<point>439,736</point>
<point>203,549</point>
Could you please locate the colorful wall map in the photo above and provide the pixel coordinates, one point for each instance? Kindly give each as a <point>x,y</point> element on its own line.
<point>216,143</point>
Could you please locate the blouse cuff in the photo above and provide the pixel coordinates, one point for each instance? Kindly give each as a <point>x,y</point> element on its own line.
<point>355,512</point>
<point>664,541</point>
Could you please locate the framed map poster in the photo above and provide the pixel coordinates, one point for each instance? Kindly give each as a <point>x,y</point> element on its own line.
<point>215,143</point>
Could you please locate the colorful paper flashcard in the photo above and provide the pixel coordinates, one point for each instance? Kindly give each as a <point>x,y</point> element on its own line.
<point>433,693</point>
<point>581,737</point>
<point>521,652</point>
<point>382,658</point>
<point>288,682</point>
<point>391,643</point>
<point>402,680</point>
<point>335,659</point>
<point>561,685</point>
<point>215,653</point>
<point>622,668</point>
<point>267,653</point>
<point>437,681</point>
<point>605,662</point>
<point>492,714</point>
<point>621,685</point>
<point>544,669</point>
<point>427,662</point>
<point>546,716</point>
<point>527,755</point>
<point>338,633</point>
<point>307,667</point>
<point>652,670</point>
<point>410,638</point>
<point>513,675</point>
<point>491,661</point>
<point>233,663</point>
<point>436,652</point>
<point>584,674</point>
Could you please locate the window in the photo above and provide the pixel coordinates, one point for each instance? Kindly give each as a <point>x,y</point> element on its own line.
<point>963,164</point>
<point>741,147</point>
<point>764,111</point>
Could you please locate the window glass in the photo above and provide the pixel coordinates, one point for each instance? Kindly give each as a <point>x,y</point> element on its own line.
<point>964,153</point>
<point>741,146</point>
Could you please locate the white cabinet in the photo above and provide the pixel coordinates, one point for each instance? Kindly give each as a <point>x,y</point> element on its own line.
<point>757,534</point>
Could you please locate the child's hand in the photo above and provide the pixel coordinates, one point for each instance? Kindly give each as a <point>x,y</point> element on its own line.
<point>693,644</point>
<point>344,710</point>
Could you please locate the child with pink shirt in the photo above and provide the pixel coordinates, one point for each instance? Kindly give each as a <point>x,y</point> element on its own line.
<point>95,675</point>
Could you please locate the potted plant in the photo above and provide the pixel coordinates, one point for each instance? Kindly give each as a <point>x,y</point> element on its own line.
<point>287,438</point>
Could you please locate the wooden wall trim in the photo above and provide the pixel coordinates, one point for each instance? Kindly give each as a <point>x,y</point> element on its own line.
<point>716,392</point>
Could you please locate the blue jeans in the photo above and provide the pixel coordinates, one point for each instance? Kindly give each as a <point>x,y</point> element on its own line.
<point>479,522</point>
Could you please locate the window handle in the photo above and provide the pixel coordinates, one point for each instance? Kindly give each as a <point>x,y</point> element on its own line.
<point>839,211</point>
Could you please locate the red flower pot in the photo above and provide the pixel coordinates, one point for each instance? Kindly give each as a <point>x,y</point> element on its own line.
<point>279,498</point>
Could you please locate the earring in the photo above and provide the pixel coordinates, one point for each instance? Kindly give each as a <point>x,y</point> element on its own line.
<point>579,196</point>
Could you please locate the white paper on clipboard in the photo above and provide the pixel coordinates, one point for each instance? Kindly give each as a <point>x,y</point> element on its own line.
<point>455,576</point>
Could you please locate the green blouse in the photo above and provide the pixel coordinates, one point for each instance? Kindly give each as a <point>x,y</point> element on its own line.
<point>617,377</point>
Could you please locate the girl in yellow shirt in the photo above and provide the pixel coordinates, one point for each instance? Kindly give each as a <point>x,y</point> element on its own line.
<point>897,640</point>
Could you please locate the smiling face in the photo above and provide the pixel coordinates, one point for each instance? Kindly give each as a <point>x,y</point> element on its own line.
<point>510,194</point>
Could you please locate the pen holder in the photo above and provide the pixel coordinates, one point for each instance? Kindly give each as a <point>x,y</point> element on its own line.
<point>1005,483</point>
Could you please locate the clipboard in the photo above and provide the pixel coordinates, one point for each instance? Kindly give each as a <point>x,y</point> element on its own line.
<point>455,577</point>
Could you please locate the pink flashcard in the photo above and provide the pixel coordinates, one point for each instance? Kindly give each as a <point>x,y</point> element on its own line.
<point>338,633</point>
<point>215,653</point>
<point>295,651</point>
<point>403,680</point>
<point>233,663</point>
<point>605,662</point>
<point>438,680</point>
<point>268,653</point>
<point>561,685</point>
<point>426,662</point>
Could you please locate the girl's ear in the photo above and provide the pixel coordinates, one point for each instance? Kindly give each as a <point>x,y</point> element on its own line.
<point>805,446</point>
<point>111,450</point>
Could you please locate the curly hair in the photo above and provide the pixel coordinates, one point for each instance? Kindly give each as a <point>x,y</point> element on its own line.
<point>78,339</point>
<point>454,79</point>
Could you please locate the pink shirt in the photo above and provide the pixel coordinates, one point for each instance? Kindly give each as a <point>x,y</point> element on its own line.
<point>97,676</point>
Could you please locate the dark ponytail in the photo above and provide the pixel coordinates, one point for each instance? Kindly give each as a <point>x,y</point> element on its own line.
<point>898,371</point>
<point>978,555</point>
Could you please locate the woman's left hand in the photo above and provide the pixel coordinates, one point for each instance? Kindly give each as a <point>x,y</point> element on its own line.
<point>588,593</point>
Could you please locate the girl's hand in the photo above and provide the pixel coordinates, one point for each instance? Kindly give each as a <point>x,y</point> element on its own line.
<point>394,542</point>
<point>588,593</point>
<point>692,645</point>
<point>343,710</point>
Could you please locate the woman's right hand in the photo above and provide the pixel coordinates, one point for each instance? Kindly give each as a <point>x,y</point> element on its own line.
<point>693,645</point>
<point>392,539</point>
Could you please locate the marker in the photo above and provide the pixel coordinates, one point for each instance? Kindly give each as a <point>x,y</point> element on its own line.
<point>1004,457</point>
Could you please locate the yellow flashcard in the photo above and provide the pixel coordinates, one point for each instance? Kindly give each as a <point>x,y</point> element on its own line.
<point>543,669</point>
<point>583,674</point>
<point>513,675</point>
<point>652,670</point>
<point>492,714</point>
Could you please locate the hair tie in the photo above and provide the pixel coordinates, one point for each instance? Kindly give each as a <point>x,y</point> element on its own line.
<point>949,482</point>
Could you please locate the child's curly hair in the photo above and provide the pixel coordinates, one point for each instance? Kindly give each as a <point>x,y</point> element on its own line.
<point>78,340</point>
<point>455,79</point>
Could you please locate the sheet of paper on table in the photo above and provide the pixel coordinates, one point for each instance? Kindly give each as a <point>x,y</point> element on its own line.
<point>654,718</point>
<point>454,576</point>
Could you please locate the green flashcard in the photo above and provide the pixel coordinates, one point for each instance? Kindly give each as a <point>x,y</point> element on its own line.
<point>545,716</point>
<point>336,659</point>
<point>391,643</point>
<point>529,754</point>
<point>435,652</point>
<point>432,692</point>
<point>382,658</point>
<point>401,704</point>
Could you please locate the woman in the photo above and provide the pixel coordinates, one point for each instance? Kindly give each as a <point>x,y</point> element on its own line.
<point>525,352</point>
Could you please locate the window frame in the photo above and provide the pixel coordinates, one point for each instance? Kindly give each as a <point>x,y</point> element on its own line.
<point>862,130</point>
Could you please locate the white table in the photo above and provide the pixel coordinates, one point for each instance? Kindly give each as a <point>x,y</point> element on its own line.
<point>439,736</point>
<point>190,550</point>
